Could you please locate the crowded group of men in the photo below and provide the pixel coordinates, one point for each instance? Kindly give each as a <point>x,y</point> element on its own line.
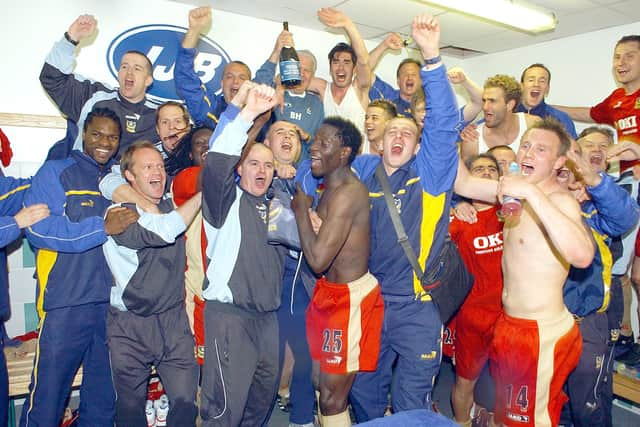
<point>154,249</point>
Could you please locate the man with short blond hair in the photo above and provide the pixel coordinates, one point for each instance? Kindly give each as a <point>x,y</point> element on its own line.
<point>536,340</point>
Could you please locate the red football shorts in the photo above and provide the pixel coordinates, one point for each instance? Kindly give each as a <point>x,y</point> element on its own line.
<point>530,361</point>
<point>473,335</point>
<point>449,338</point>
<point>344,323</point>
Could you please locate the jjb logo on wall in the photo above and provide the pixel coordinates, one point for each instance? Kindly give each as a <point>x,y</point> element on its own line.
<point>160,43</point>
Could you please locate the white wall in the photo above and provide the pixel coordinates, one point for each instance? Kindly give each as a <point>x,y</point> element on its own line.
<point>580,65</point>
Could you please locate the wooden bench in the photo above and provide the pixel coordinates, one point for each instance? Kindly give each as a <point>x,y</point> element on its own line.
<point>19,367</point>
<point>20,375</point>
<point>626,387</point>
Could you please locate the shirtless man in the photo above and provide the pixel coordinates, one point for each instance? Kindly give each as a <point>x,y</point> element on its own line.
<point>536,340</point>
<point>501,126</point>
<point>347,95</point>
<point>339,251</point>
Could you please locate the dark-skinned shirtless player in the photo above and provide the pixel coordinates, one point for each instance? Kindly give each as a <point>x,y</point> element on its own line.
<point>344,318</point>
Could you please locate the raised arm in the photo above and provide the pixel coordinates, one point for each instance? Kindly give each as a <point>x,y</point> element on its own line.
<point>393,41</point>
<point>473,107</point>
<point>285,38</point>
<point>68,91</point>
<point>336,19</point>
<point>266,73</point>
<point>470,140</point>
<point>189,87</point>
<point>199,22</point>
<point>218,179</point>
<point>437,158</point>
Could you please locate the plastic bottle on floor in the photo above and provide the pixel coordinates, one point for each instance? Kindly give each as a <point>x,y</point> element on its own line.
<point>162,410</point>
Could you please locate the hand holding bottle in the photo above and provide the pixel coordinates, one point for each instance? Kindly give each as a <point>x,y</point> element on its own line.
<point>511,206</point>
<point>289,63</point>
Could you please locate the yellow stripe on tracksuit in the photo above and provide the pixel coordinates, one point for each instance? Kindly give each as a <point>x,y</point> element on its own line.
<point>208,101</point>
<point>432,210</point>
<point>82,193</point>
<point>607,263</point>
<point>400,192</point>
<point>14,191</point>
<point>45,261</point>
<point>36,365</point>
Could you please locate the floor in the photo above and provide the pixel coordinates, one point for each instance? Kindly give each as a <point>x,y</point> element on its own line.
<point>621,417</point>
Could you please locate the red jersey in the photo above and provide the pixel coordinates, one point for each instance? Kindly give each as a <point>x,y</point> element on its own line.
<point>621,111</point>
<point>480,246</point>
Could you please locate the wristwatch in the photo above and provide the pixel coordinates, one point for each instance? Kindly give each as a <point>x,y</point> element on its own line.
<point>432,61</point>
<point>69,39</point>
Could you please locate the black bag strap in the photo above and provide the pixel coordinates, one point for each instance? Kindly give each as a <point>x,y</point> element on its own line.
<point>381,176</point>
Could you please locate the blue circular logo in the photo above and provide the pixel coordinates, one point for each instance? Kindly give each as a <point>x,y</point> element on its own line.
<point>161,43</point>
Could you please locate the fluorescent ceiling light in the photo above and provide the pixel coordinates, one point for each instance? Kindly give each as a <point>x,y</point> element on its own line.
<point>512,13</point>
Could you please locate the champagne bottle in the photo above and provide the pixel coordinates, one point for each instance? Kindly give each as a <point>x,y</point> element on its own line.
<point>289,64</point>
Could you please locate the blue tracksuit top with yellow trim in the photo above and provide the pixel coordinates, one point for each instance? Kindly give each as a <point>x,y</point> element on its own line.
<point>70,266</point>
<point>611,212</point>
<point>12,191</point>
<point>422,189</point>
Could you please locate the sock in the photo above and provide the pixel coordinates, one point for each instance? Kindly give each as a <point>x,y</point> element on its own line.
<point>319,410</point>
<point>338,420</point>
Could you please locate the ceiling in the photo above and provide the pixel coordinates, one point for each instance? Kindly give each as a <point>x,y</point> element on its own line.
<point>376,18</point>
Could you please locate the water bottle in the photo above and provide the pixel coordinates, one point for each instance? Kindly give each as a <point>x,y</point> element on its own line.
<point>510,205</point>
<point>150,411</point>
<point>162,410</point>
<point>289,64</point>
